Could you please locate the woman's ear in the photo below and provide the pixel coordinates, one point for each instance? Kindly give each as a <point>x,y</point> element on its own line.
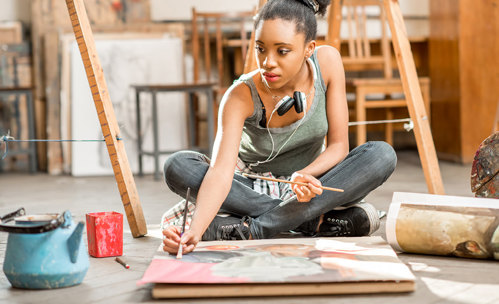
<point>310,48</point>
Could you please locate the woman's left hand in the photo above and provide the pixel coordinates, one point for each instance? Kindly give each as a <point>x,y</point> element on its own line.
<point>305,193</point>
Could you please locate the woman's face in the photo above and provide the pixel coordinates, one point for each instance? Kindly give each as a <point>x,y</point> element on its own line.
<point>280,51</point>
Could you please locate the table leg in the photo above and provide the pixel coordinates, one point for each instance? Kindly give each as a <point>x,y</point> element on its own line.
<point>139,132</point>
<point>192,123</point>
<point>210,121</point>
<point>31,132</point>
<point>155,132</point>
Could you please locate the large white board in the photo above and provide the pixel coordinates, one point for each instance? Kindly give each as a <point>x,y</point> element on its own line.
<point>126,62</point>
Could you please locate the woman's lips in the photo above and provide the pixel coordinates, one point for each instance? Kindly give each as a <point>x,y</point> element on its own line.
<point>270,77</point>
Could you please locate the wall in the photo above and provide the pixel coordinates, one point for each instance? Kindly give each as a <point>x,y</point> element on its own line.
<point>464,79</point>
<point>169,9</point>
<point>415,7</point>
<point>15,10</point>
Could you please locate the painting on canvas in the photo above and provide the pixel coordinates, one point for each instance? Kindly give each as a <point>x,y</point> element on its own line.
<point>303,260</point>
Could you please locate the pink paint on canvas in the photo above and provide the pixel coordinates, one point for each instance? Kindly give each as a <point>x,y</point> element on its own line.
<point>105,234</point>
<point>175,271</point>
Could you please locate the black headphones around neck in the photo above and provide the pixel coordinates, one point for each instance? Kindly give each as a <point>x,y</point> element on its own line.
<point>299,101</point>
<point>284,105</point>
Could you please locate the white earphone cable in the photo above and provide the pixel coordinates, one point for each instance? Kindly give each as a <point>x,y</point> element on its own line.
<point>270,157</point>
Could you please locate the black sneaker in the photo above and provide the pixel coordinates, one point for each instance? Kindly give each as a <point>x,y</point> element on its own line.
<point>357,220</point>
<point>224,228</point>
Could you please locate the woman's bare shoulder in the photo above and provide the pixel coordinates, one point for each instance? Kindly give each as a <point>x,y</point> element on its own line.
<point>238,98</point>
<point>327,54</point>
<point>330,62</point>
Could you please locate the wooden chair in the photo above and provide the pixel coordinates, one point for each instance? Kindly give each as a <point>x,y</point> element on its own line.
<point>226,30</point>
<point>361,57</point>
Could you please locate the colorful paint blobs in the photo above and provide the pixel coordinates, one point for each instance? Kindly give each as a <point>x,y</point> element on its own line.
<point>280,261</point>
<point>221,247</point>
<point>105,234</point>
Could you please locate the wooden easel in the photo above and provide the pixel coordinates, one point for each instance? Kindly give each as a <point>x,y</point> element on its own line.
<point>107,119</point>
<point>415,104</point>
<point>410,84</point>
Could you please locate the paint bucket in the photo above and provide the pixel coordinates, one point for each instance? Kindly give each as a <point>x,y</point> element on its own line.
<point>105,234</point>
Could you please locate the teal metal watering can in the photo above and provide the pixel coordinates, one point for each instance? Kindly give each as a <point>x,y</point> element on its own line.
<point>44,251</point>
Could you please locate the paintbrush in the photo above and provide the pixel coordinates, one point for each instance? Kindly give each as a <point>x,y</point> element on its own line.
<point>179,252</point>
<point>288,182</point>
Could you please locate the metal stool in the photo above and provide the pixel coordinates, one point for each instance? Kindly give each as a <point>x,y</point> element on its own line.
<point>191,89</point>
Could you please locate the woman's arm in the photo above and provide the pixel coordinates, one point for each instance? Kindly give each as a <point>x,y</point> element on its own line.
<point>337,116</point>
<point>235,107</point>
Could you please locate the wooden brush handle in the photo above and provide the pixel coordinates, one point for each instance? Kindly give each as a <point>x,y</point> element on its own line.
<point>288,182</point>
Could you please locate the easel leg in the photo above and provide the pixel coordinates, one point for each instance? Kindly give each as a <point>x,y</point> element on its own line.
<point>414,98</point>
<point>109,124</point>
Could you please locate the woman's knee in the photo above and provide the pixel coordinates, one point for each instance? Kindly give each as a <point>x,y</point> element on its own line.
<point>384,156</point>
<point>177,164</point>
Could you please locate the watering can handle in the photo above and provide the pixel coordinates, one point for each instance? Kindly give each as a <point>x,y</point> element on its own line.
<point>53,224</point>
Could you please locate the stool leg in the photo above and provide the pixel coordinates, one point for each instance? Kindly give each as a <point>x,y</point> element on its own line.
<point>139,132</point>
<point>155,132</point>
<point>360,115</point>
<point>389,126</point>
<point>210,121</point>
<point>31,132</point>
<point>192,121</point>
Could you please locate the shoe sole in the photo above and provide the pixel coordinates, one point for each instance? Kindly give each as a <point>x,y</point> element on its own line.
<point>372,215</point>
<point>349,205</point>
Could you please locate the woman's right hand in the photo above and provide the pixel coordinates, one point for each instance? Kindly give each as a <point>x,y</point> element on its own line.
<point>172,239</point>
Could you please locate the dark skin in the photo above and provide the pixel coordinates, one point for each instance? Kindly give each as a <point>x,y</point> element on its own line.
<point>281,55</point>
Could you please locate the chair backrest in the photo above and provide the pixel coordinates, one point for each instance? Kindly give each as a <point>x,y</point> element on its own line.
<point>226,29</point>
<point>359,16</point>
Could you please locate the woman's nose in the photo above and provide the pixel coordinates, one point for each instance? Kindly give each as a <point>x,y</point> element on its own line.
<point>269,62</point>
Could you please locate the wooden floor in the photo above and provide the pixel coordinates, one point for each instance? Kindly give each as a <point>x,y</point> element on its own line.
<point>439,279</point>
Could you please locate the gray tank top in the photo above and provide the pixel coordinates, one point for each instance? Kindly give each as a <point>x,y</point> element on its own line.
<point>301,149</point>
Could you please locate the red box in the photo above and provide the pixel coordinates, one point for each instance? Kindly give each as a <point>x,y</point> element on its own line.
<point>105,234</point>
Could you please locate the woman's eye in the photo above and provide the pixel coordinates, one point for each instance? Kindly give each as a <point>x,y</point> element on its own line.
<point>284,51</point>
<point>259,49</point>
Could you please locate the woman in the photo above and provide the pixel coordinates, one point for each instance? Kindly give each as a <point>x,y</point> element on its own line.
<point>263,130</point>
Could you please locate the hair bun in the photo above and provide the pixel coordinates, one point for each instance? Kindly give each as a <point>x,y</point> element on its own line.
<point>313,4</point>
